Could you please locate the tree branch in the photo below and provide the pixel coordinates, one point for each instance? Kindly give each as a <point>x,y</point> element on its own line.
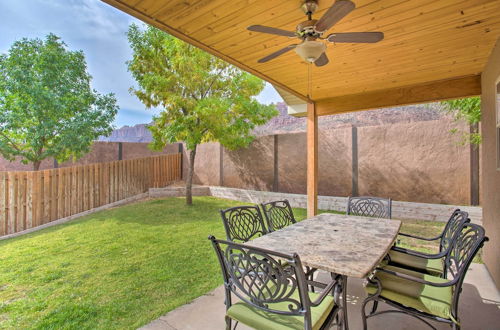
<point>10,142</point>
<point>211,83</point>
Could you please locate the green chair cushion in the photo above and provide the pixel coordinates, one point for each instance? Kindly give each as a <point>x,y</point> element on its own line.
<point>425,298</point>
<point>429,266</point>
<point>260,319</point>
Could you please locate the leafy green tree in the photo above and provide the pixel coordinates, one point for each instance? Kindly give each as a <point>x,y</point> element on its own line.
<point>202,97</point>
<point>47,107</point>
<point>468,109</point>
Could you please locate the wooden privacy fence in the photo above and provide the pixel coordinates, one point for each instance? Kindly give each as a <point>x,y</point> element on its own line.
<point>29,199</point>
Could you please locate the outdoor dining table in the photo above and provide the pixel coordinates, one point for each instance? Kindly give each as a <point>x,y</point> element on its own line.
<point>344,245</point>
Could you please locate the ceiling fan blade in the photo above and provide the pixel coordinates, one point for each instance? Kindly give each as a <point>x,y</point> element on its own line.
<point>277,53</point>
<point>356,37</point>
<point>271,30</point>
<point>322,60</point>
<point>334,14</point>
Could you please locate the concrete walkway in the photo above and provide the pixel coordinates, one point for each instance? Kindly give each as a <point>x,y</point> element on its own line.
<point>479,309</point>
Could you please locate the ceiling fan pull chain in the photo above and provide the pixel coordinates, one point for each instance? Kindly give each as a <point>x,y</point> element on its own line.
<point>309,80</point>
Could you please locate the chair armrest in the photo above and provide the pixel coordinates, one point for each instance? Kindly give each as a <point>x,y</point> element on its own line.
<point>415,279</point>
<point>316,284</point>
<point>327,289</point>
<point>419,254</point>
<point>419,237</point>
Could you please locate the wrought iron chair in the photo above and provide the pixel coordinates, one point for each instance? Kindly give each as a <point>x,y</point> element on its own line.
<point>278,214</point>
<point>425,296</point>
<point>243,223</point>
<point>370,207</point>
<point>273,293</point>
<point>430,263</point>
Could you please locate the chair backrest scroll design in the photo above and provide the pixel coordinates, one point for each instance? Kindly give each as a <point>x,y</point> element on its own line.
<point>260,278</point>
<point>278,214</point>
<point>452,229</point>
<point>370,207</point>
<point>243,223</point>
<point>462,251</point>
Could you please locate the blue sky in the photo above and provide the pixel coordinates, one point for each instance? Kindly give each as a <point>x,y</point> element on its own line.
<point>97,29</point>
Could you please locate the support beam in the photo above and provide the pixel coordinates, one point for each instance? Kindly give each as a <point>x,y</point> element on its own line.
<point>428,92</point>
<point>474,168</point>
<point>490,156</point>
<point>312,160</point>
<point>355,163</point>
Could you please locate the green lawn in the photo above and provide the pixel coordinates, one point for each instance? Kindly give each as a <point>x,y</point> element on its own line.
<point>119,268</point>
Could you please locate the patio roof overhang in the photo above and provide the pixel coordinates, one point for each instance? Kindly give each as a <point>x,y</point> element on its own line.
<point>433,50</point>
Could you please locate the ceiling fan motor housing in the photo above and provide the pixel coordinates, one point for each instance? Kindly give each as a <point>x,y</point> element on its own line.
<point>305,30</point>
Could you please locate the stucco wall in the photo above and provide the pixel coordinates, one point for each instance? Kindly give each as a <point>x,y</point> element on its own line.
<point>292,163</point>
<point>100,152</point>
<point>334,162</point>
<point>335,166</point>
<point>490,173</point>
<point>131,150</point>
<point>252,167</point>
<point>417,162</point>
<point>6,165</point>
<point>207,164</point>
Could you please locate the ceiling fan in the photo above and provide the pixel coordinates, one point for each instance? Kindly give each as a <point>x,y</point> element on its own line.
<point>311,49</point>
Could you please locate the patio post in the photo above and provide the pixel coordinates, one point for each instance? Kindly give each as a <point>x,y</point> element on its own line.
<point>312,160</point>
<point>490,161</point>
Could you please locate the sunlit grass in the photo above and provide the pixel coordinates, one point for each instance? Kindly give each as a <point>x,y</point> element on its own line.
<point>119,268</point>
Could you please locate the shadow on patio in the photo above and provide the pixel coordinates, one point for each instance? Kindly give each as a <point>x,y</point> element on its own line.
<point>479,308</point>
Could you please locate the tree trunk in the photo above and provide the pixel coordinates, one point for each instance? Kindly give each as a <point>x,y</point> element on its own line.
<point>189,180</point>
<point>36,165</point>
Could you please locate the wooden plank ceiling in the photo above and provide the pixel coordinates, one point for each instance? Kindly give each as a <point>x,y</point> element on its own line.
<point>427,43</point>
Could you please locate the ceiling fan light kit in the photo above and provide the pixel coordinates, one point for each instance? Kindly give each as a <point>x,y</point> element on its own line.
<point>310,50</point>
<point>313,46</point>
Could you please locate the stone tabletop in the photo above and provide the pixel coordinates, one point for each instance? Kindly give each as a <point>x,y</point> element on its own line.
<point>342,244</point>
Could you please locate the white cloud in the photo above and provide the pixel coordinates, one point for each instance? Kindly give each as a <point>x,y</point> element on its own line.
<point>94,27</point>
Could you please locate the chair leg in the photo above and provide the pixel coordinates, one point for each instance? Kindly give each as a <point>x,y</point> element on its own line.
<point>456,326</point>
<point>363,314</point>
<point>310,277</point>
<point>375,306</point>
<point>228,323</point>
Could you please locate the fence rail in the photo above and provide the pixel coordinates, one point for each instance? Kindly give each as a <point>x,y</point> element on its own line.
<point>29,199</point>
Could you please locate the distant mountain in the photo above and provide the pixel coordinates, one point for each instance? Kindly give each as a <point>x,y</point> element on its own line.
<point>284,123</point>
<point>136,133</point>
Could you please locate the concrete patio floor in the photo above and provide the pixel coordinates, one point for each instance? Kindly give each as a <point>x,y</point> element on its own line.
<point>479,309</point>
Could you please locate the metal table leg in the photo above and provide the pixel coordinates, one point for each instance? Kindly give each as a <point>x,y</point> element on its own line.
<point>340,298</point>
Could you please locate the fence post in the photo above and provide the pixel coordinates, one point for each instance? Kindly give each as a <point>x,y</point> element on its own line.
<point>275,165</point>
<point>29,200</point>
<point>354,160</point>
<point>11,202</point>
<point>181,151</point>
<point>474,168</point>
<point>3,203</point>
<point>221,165</point>
<point>120,151</point>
